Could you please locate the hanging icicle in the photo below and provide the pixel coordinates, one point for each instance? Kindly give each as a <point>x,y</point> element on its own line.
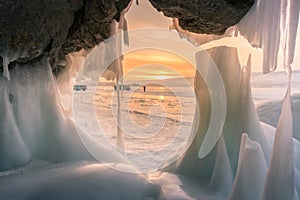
<point>265,28</point>
<point>5,68</point>
<point>261,28</point>
<point>289,24</point>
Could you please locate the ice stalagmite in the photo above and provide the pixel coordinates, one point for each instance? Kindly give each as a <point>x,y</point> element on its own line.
<point>252,168</point>
<point>280,182</point>
<point>241,115</point>
<point>248,119</point>
<point>222,177</point>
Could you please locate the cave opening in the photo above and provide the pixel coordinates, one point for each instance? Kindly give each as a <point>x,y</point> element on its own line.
<point>200,93</point>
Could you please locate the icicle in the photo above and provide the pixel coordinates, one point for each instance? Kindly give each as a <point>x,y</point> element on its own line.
<point>265,28</point>
<point>120,136</point>
<point>5,67</point>
<point>123,25</point>
<point>119,83</point>
<point>110,65</point>
<point>280,182</point>
<point>289,24</point>
<point>9,56</point>
<point>252,168</point>
<point>261,28</point>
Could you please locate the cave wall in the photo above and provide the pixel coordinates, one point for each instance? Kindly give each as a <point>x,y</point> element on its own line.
<point>204,16</point>
<point>54,28</point>
<point>30,29</point>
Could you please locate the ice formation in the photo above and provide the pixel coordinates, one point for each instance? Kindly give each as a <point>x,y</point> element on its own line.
<point>268,23</point>
<point>250,160</point>
<point>110,65</point>
<point>5,68</point>
<point>9,56</point>
<point>248,146</point>
<point>34,125</point>
<point>289,24</point>
<point>270,111</point>
<point>281,168</point>
<point>222,177</point>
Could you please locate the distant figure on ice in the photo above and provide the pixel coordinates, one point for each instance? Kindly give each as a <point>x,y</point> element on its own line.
<point>144,88</point>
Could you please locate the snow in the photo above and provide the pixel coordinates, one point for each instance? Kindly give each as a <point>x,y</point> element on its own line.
<point>153,126</point>
<point>76,180</point>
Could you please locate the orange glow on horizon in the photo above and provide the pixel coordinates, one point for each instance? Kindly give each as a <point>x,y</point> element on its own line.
<point>157,58</point>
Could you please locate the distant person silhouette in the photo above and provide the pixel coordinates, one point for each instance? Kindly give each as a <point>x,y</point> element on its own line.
<point>144,88</point>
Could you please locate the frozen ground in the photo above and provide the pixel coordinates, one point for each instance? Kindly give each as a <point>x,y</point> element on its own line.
<point>161,116</point>
<point>272,86</point>
<point>154,123</point>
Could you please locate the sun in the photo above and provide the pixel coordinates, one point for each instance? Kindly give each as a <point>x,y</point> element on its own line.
<point>161,77</point>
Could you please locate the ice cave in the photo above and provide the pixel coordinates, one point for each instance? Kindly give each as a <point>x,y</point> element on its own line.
<point>148,99</point>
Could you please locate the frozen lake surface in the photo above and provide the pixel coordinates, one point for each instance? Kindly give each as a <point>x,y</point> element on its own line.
<point>157,122</point>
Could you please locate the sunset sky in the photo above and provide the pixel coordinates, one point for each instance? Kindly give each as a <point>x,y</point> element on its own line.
<point>155,64</point>
<point>144,15</point>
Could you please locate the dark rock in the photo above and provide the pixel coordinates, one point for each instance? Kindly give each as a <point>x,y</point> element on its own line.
<point>55,28</point>
<point>204,16</point>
